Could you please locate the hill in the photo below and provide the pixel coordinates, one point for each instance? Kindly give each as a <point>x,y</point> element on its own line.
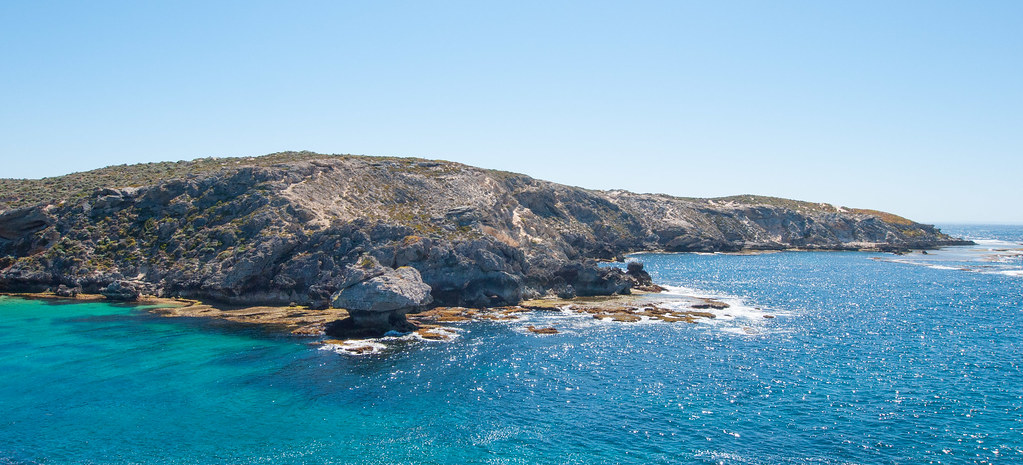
<point>299,226</point>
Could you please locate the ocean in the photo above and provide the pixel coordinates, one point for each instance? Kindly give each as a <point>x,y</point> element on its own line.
<point>822,358</point>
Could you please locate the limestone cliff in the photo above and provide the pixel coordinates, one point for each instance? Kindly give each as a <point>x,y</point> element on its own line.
<point>299,227</point>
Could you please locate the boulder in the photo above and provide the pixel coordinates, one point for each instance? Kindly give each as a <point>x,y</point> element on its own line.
<point>537,330</point>
<point>379,304</point>
<point>121,291</point>
<point>638,275</point>
<point>588,279</point>
<point>64,291</point>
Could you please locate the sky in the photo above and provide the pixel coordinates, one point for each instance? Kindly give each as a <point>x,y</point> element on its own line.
<point>912,107</point>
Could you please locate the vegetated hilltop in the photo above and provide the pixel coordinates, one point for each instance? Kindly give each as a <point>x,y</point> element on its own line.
<point>299,227</point>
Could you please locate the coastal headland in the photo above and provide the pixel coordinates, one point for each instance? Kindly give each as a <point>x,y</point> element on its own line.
<point>357,243</point>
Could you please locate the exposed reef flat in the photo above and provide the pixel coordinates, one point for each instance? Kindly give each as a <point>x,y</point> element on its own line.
<point>54,296</point>
<point>300,321</point>
<point>636,307</point>
<point>671,308</point>
<point>434,324</point>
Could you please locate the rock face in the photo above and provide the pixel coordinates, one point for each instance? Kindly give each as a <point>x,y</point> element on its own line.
<point>302,227</point>
<point>64,291</point>
<point>381,302</point>
<point>121,290</point>
<point>638,275</point>
<point>24,231</point>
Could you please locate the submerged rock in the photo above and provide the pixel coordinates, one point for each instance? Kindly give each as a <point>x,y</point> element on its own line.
<point>537,330</point>
<point>703,303</point>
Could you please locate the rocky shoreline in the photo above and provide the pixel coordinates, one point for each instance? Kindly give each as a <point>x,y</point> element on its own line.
<point>380,237</point>
<point>432,324</point>
<point>299,321</point>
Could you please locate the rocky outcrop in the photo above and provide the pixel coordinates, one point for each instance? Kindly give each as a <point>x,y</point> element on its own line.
<point>121,291</point>
<point>587,279</point>
<point>64,291</point>
<point>25,231</point>
<point>637,275</point>
<point>381,302</point>
<point>303,227</point>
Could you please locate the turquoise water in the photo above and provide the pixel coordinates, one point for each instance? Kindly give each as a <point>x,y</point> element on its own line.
<point>871,358</point>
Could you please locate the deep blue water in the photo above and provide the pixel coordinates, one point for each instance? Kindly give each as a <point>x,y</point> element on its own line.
<point>871,358</point>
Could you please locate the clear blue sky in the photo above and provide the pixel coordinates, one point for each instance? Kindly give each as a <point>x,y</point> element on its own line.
<point>914,107</point>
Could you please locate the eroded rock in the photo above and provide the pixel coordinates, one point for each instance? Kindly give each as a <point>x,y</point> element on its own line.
<point>121,291</point>
<point>638,276</point>
<point>537,330</point>
<point>379,304</point>
<point>64,291</point>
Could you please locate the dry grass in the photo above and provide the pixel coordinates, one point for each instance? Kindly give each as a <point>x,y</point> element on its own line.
<point>884,216</point>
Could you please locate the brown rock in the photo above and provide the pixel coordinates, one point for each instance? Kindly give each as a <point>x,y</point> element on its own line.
<point>513,310</point>
<point>536,330</point>
<point>622,317</point>
<point>699,314</point>
<point>432,335</point>
<point>452,319</point>
<point>675,319</point>
<point>710,303</point>
<point>311,330</point>
<point>543,304</point>
<point>359,350</point>
<point>656,311</point>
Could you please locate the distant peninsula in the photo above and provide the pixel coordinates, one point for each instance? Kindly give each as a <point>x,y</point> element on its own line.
<point>381,236</point>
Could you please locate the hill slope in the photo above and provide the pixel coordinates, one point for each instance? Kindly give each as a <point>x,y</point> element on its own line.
<point>297,227</point>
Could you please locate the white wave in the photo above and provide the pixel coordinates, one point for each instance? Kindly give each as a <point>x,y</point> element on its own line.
<point>973,264</point>
<point>746,330</point>
<point>355,347</point>
<point>682,291</point>
<point>905,261</point>
<point>739,318</point>
<point>943,267</point>
<point>738,308</point>
<point>1004,257</point>
<point>377,345</point>
<point>996,243</point>
<point>449,334</point>
<point>564,320</point>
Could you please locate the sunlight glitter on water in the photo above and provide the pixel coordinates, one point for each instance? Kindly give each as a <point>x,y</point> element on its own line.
<point>867,362</point>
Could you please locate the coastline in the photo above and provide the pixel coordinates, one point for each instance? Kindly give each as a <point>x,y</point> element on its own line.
<point>265,232</point>
<point>305,322</point>
<point>133,363</point>
<point>653,303</point>
<point>874,248</point>
<point>299,321</point>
